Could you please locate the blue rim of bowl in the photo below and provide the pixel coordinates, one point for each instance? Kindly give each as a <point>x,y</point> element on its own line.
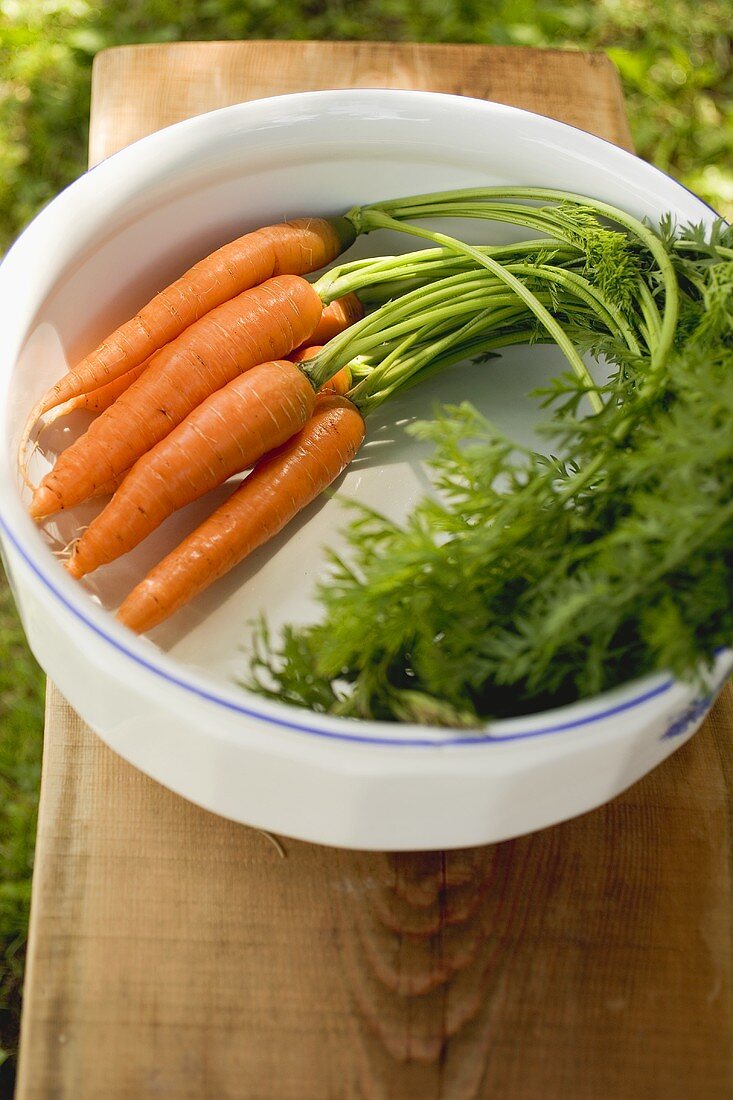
<point>442,742</point>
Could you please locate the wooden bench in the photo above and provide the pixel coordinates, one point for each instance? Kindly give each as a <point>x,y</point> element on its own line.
<point>174,954</point>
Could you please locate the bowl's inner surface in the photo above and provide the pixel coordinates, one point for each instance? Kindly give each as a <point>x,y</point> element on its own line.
<point>183,215</point>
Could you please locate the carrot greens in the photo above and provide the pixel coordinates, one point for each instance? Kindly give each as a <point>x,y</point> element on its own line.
<point>531,580</point>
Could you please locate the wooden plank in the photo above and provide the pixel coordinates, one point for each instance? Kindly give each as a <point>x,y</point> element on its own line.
<point>176,954</point>
<point>138,89</point>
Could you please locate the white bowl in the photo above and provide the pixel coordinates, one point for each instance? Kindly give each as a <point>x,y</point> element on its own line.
<point>171,705</point>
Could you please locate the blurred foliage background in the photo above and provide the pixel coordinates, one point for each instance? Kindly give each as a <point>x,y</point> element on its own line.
<point>676,63</point>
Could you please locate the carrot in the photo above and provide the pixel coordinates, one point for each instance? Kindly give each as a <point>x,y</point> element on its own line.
<point>100,399</point>
<point>279,487</point>
<point>290,248</point>
<point>341,381</point>
<point>336,317</point>
<point>301,354</point>
<point>110,486</point>
<point>339,384</point>
<point>261,324</point>
<point>231,430</point>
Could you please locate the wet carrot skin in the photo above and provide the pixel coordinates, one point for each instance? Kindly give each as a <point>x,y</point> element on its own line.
<point>230,431</point>
<point>279,487</point>
<point>295,247</point>
<point>261,324</point>
<point>335,318</point>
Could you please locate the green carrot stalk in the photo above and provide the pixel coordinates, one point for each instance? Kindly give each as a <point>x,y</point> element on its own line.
<point>374,219</point>
<point>564,220</point>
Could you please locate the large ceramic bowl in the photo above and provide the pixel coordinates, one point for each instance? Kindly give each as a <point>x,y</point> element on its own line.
<point>171,703</point>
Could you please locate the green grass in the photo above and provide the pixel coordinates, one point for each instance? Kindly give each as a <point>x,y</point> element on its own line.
<point>675,60</point>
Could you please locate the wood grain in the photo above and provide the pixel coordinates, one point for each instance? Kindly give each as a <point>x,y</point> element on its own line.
<point>176,954</point>
<point>139,89</point>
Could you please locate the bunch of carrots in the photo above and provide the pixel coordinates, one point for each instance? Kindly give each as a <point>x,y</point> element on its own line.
<point>242,363</point>
<point>195,388</point>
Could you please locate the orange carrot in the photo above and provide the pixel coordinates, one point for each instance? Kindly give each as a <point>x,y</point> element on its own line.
<point>306,352</point>
<point>261,324</point>
<point>231,430</point>
<point>100,399</point>
<point>336,317</point>
<point>295,247</point>
<point>110,486</point>
<point>339,383</point>
<point>279,487</point>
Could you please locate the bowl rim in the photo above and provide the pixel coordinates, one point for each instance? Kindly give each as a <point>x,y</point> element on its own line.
<point>554,721</point>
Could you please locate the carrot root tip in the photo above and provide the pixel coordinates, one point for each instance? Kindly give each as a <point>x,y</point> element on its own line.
<point>71,565</point>
<point>45,503</point>
<point>56,413</point>
<point>24,456</point>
